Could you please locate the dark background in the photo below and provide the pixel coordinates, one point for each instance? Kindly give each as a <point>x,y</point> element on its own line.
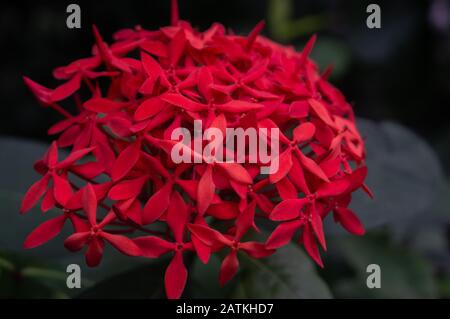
<point>397,74</point>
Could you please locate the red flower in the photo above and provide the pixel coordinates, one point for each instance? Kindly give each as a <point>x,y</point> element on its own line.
<point>61,190</point>
<point>119,184</point>
<point>94,236</point>
<point>213,238</point>
<point>151,246</point>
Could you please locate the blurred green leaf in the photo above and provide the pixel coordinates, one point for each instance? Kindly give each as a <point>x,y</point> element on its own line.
<point>284,28</point>
<point>404,274</point>
<point>287,274</point>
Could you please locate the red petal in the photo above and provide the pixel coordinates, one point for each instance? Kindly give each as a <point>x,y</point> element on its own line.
<point>229,267</point>
<point>183,102</point>
<point>190,187</point>
<point>62,125</point>
<point>155,47</point>
<point>311,246</point>
<point>176,47</point>
<point>220,122</point>
<point>126,160</point>
<point>123,244</point>
<point>288,209</point>
<point>119,126</point>
<point>69,136</point>
<point>34,193</point>
<point>152,246</point>
<point>40,92</point>
<point>94,252</point>
<point>73,157</point>
<point>44,232</point>
<point>284,166</point>
<point>175,277</point>
<point>208,235</point>
<point>177,216</point>
<point>299,109</point>
<point>128,188</point>
<point>157,204</point>
<point>348,219</point>
<point>203,251</point>
<point>286,189</point>
<point>236,172</point>
<point>224,210</point>
<point>316,222</point>
<point>254,34</point>
<point>67,89</point>
<point>283,234</point>
<point>206,190</point>
<point>333,188</point>
<point>79,224</point>
<point>297,176</point>
<point>102,105</point>
<point>304,132</point>
<point>311,166</point>
<point>88,170</point>
<point>48,202</point>
<point>149,108</point>
<point>205,79</point>
<point>89,201</point>
<point>307,49</point>
<point>76,241</point>
<point>321,112</point>
<point>236,106</point>
<point>264,203</point>
<point>61,189</point>
<point>52,155</point>
<point>356,179</point>
<point>245,221</point>
<point>150,65</point>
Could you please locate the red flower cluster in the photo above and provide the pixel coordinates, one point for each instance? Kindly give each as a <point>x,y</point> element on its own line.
<point>119,180</point>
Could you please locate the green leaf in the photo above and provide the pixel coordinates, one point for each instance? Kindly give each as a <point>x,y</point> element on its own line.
<point>287,274</point>
<point>404,274</point>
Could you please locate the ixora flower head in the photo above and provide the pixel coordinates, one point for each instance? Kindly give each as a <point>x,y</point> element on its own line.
<point>120,186</point>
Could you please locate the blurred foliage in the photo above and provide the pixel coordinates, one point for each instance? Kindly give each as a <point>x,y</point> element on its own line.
<point>284,27</point>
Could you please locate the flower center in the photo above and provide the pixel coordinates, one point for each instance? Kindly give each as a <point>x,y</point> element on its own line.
<point>311,197</point>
